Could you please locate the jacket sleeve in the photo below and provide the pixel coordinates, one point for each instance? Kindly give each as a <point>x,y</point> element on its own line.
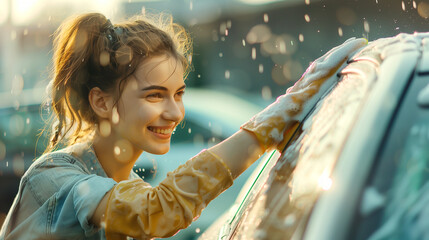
<point>138,210</point>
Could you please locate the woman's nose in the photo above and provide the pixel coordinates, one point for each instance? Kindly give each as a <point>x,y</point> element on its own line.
<point>174,111</point>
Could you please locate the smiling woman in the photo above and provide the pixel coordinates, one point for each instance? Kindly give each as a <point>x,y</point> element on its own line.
<point>116,92</point>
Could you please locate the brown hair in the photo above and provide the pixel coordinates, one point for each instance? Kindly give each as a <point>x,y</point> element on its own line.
<point>91,52</point>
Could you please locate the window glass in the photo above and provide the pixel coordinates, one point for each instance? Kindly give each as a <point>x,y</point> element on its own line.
<point>394,203</point>
<point>283,204</point>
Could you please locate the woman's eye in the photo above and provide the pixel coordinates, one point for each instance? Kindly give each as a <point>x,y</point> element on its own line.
<point>154,95</point>
<point>180,94</point>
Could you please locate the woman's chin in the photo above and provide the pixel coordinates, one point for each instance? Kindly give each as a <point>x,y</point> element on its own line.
<point>158,151</point>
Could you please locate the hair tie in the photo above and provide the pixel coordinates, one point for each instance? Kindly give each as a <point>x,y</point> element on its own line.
<point>112,34</point>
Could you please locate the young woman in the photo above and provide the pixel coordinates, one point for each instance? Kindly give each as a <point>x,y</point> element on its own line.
<point>116,92</point>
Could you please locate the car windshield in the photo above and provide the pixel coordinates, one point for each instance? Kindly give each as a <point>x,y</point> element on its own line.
<point>284,203</point>
<point>394,203</point>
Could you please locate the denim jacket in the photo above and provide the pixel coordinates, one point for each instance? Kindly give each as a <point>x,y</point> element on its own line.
<point>58,195</point>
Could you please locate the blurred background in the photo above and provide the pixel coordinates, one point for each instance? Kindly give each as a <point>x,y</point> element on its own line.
<point>246,53</point>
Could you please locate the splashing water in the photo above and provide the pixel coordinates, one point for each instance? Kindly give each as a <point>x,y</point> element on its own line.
<point>307,18</point>
<point>340,32</point>
<point>366,26</point>
<point>253,53</point>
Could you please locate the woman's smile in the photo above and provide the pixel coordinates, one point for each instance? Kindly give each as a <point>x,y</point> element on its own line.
<point>162,132</point>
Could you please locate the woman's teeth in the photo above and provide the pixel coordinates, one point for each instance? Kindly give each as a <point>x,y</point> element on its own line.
<point>160,131</point>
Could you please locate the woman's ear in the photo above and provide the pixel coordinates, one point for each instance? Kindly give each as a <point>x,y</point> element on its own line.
<point>101,103</point>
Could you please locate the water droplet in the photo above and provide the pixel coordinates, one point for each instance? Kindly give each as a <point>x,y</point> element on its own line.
<point>222,28</point>
<point>366,26</point>
<point>301,38</point>
<point>414,4</point>
<point>307,2</point>
<point>123,150</point>
<point>105,128</point>
<point>243,42</point>
<point>259,33</point>
<point>290,220</point>
<point>423,9</point>
<point>403,6</point>
<point>115,115</point>
<point>117,150</point>
<point>220,54</point>
<point>18,165</point>
<point>124,55</point>
<point>199,76</point>
<point>197,230</point>
<point>104,58</point>
<point>340,32</point>
<point>191,6</point>
<point>307,18</point>
<point>266,19</point>
<point>189,130</point>
<point>80,40</point>
<point>27,121</point>
<point>266,93</point>
<point>227,74</point>
<point>253,53</point>
<point>261,68</point>
<point>226,32</point>
<point>228,24</point>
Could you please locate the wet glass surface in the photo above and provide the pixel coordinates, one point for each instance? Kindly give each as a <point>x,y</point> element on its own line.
<point>394,203</point>
<point>283,204</point>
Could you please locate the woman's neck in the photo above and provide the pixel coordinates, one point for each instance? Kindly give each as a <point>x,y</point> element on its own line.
<point>116,159</point>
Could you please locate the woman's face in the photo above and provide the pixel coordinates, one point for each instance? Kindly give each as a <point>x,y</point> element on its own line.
<point>151,105</point>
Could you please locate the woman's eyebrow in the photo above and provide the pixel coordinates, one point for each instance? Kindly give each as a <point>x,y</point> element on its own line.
<point>157,87</point>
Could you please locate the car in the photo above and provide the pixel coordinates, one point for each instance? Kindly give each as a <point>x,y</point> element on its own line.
<point>211,116</point>
<point>357,165</point>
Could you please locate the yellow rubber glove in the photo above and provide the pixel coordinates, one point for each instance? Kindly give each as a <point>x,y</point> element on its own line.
<point>137,210</point>
<point>275,124</point>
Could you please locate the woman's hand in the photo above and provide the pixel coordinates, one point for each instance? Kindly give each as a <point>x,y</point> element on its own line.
<point>275,124</point>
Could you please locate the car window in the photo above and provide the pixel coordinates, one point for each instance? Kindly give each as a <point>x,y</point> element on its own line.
<point>282,206</point>
<point>394,203</point>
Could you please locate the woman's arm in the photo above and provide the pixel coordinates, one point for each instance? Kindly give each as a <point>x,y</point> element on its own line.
<point>237,152</point>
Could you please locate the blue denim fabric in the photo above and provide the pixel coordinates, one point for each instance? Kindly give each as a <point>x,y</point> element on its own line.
<point>58,195</point>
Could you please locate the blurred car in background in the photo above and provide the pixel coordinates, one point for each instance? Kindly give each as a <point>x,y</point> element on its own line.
<point>357,167</point>
<point>211,116</point>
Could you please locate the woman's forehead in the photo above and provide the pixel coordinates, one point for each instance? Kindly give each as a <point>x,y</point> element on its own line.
<point>158,69</point>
